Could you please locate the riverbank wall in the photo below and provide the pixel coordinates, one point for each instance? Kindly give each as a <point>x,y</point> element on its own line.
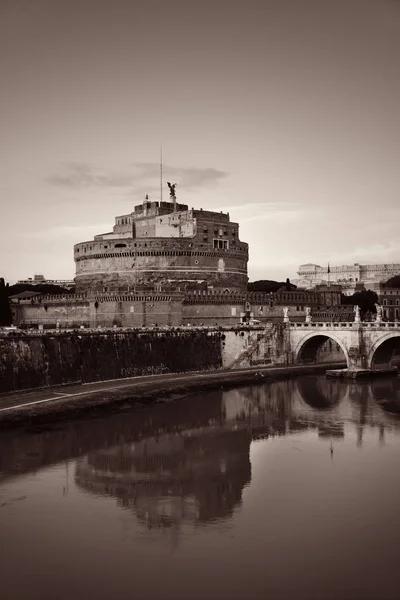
<point>52,359</point>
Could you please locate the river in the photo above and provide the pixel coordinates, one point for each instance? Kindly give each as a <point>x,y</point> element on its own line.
<point>285,491</point>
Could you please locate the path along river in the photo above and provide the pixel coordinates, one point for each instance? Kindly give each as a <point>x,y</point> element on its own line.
<point>288,490</point>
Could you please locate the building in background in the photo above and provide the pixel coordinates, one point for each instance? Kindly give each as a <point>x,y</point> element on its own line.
<point>39,280</point>
<point>352,278</point>
<point>389,299</point>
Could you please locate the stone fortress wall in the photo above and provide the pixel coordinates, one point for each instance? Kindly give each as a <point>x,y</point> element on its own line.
<point>174,308</point>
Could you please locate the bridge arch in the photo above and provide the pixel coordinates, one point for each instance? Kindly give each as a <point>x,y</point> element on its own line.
<point>382,350</point>
<point>309,345</point>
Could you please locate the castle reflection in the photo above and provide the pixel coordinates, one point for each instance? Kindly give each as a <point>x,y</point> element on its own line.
<point>192,476</point>
<point>195,471</point>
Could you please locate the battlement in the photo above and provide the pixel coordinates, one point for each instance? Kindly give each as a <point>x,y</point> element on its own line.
<point>53,299</point>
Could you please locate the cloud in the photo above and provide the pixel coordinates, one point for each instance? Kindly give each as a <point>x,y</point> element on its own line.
<point>265,211</point>
<point>68,232</point>
<point>140,176</point>
<point>381,252</point>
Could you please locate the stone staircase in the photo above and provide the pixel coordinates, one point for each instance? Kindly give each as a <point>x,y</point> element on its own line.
<point>258,352</point>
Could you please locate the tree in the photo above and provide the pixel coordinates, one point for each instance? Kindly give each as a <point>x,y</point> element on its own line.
<point>267,286</point>
<point>366,300</point>
<point>393,282</point>
<point>5,311</point>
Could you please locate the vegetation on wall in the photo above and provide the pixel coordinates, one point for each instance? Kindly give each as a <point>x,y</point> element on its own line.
<point>366,300</point>
<point>40,361</point>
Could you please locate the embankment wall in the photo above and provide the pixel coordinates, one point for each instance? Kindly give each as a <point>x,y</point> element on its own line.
<point>48,360</point>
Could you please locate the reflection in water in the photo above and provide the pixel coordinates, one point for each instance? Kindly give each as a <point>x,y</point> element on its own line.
<point>193,468</point>
<point>198,475</point>
<point>321,393</point>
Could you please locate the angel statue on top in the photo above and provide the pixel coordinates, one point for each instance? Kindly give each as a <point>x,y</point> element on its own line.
<point>172,187</point>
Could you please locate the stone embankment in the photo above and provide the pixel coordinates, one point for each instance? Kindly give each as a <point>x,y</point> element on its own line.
<point>57,375</point>
<point>49,359</point>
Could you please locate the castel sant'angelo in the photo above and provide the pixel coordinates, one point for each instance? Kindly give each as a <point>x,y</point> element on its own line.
<point>164,244</point>
<point>164,264</point>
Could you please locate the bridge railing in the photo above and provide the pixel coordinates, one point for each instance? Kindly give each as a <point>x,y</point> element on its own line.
<point>321,324</point>
<point>346,324</point>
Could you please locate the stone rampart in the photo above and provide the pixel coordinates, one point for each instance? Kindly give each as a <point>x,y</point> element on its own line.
<point>52,313</point>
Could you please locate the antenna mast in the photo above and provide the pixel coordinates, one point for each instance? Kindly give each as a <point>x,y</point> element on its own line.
<point>161,174</point>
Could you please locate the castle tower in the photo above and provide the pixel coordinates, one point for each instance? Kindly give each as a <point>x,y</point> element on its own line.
<point>164,244</point>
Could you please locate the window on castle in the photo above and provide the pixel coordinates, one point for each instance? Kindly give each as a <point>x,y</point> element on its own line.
<point>220,244</point>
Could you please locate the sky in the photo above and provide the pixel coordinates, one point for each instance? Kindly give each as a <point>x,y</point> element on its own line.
<point>285,113</point>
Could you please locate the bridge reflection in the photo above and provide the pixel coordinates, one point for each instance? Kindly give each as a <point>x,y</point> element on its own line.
<point>321,393</point>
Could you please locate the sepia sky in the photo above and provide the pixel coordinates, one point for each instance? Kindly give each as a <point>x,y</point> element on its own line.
<point>286,113</point>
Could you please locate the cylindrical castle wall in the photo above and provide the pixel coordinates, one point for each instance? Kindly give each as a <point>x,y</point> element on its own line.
<point>121,264</point>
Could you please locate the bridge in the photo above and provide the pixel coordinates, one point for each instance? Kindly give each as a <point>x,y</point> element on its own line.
<point>365,345</point>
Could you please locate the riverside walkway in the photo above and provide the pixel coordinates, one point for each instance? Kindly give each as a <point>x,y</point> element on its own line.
<point>73,400</point>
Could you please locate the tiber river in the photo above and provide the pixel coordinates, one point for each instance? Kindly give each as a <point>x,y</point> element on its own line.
<point>289,490</point>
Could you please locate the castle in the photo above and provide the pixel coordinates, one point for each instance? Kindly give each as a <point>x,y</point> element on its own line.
<point>164,244</point>
<point>167,265</point>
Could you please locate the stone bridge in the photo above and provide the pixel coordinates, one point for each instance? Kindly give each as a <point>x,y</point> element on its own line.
<point>364,345</point>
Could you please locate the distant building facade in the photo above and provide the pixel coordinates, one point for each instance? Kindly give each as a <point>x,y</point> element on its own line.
<point>389,299</point>
<point>352,278</point>
<point>41,279</point>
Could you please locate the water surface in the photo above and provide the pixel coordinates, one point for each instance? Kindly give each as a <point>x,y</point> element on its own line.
<point>285,491</point>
